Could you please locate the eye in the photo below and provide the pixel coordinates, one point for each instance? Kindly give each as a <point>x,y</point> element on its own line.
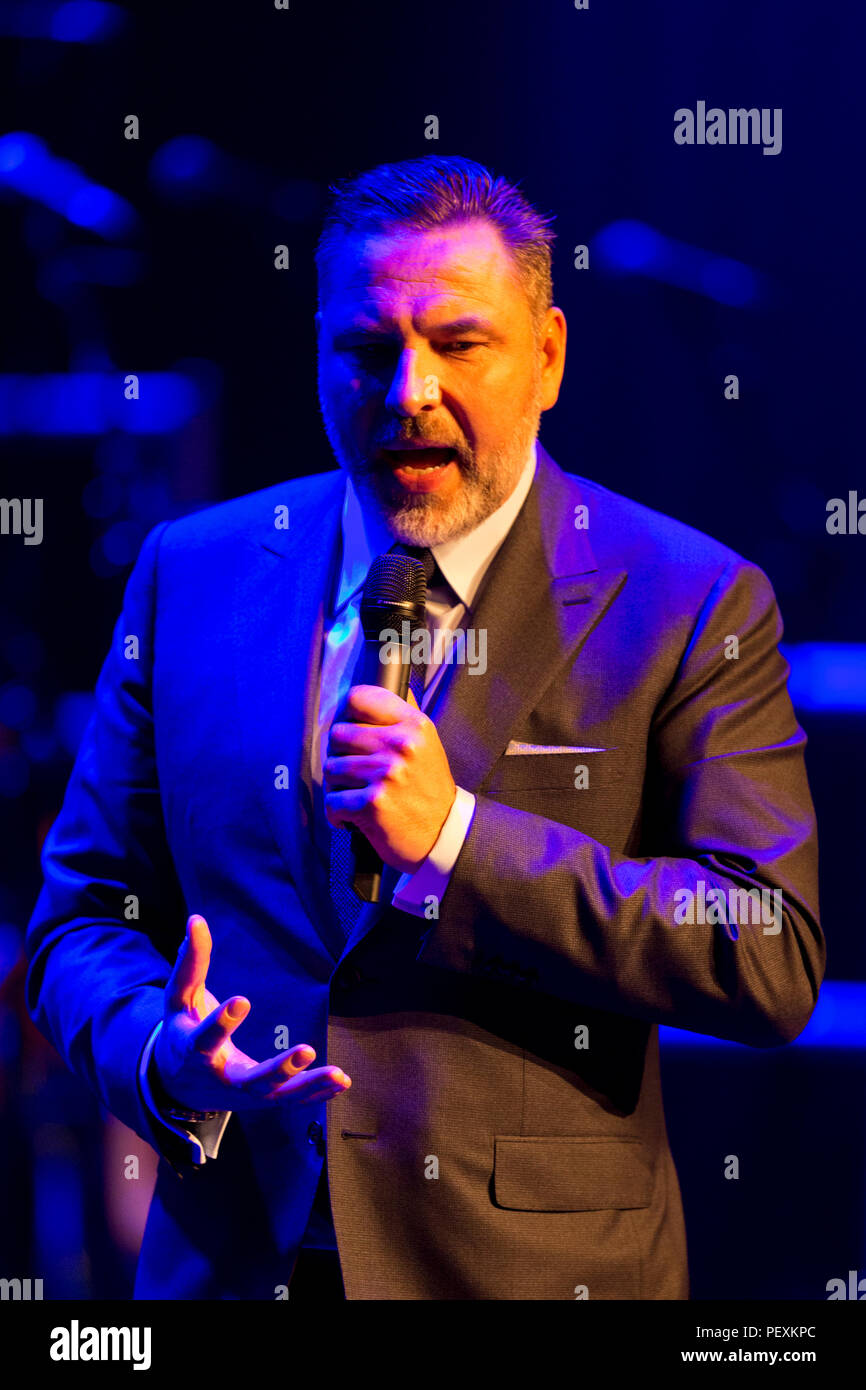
<point>370,349</point>
<point>382,352</point>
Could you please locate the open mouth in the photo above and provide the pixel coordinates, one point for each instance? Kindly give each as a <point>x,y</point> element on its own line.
<point>422,470</point>
<point>419,460</point>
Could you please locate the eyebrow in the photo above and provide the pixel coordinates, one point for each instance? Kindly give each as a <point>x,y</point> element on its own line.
<point>470,323</point>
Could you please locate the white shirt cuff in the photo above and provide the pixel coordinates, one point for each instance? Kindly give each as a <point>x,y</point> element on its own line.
<point>202,1137</point>
<point>431,878</point>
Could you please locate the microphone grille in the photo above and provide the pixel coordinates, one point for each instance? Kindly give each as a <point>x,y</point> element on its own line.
<point>395,588</point>
<point>395,579</point>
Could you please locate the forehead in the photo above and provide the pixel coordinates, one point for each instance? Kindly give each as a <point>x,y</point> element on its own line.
<point>400,273</point>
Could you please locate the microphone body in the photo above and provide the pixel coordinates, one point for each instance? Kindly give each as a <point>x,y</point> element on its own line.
<point>395,595</point>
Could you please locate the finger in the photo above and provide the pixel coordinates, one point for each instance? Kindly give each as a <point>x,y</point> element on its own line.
<point>370,704</point>
<point>190,967</point>
<point>345,807</point>
<point>328,1094</point>
<point>361,739</point>
<point>322,1082</point>
<point>321,1078</point>
<point>353,730</point>
<point>264,1075</point>
<point>219,1025</point>
<point>355,771</point>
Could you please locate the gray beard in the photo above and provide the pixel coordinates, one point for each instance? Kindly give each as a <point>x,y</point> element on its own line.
<point>427,520</point>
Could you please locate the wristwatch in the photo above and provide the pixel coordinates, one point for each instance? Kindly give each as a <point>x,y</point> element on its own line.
<point>190,1117</point>
<point>170,1108</point>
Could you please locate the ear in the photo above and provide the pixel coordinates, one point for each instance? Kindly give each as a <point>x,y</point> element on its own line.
<point>553,338</point>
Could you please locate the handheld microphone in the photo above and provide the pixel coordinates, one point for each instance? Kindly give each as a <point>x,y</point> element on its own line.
<point>395,593</point>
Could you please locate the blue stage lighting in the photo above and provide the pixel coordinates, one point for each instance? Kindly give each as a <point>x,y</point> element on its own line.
<point>630,247</point>
<point>77,21</point>
<point>187,160</point>
<point>85,21</point>
<point>28,167</point>
<point>827,675</point>
<point>94,403</point>
<point>838,1021</point>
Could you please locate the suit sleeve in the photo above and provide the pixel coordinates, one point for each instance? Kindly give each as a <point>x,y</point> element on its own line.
<point>202,1137</point>
<point>413,891</point>
<point>726,807</point>
<point>111,913</point>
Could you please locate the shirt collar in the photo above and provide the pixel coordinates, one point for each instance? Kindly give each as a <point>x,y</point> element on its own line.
<point>464,562</point>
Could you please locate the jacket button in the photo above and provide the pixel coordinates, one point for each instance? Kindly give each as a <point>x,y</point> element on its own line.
<point>316,1136</point>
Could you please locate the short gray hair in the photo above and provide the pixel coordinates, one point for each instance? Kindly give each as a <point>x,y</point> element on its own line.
<point>433,191</point>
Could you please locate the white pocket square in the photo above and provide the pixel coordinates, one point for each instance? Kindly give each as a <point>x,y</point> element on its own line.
<point>518,748</point>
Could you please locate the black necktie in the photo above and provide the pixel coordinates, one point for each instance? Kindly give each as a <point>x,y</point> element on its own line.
<point>347,904</point>
<point>425,555</point>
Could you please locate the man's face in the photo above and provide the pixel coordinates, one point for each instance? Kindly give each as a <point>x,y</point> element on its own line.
<point>431,376</point>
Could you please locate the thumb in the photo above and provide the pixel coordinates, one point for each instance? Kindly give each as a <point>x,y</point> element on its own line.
<point>189,975</point>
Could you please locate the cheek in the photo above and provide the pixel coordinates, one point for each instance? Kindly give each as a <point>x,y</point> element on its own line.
<point>495,399</point>
<point>353,406</point>
<point>346,393</point>
<point>337,373</point>
<point>352,386</point>
<point>506,408</point>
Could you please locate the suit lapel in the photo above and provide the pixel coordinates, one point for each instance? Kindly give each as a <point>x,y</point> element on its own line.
<point>279,624</point>
<point>541,597</point>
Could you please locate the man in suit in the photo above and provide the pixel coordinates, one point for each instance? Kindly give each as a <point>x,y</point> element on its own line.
<point>577,824</point>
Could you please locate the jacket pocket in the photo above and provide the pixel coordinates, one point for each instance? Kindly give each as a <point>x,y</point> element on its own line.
<point>569,1173</point>
<point>538,771</point>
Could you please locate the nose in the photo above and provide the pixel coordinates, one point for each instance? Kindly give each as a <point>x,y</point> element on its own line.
<point>412,389</point>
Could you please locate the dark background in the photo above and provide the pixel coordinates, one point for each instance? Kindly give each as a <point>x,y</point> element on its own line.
<point>576,106</point>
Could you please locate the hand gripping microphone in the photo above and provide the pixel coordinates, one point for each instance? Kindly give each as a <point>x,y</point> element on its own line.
<point>395,593</point>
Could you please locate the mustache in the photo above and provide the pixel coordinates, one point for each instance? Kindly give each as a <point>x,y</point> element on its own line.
<point>405,437</point>
<point>402,438</point>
